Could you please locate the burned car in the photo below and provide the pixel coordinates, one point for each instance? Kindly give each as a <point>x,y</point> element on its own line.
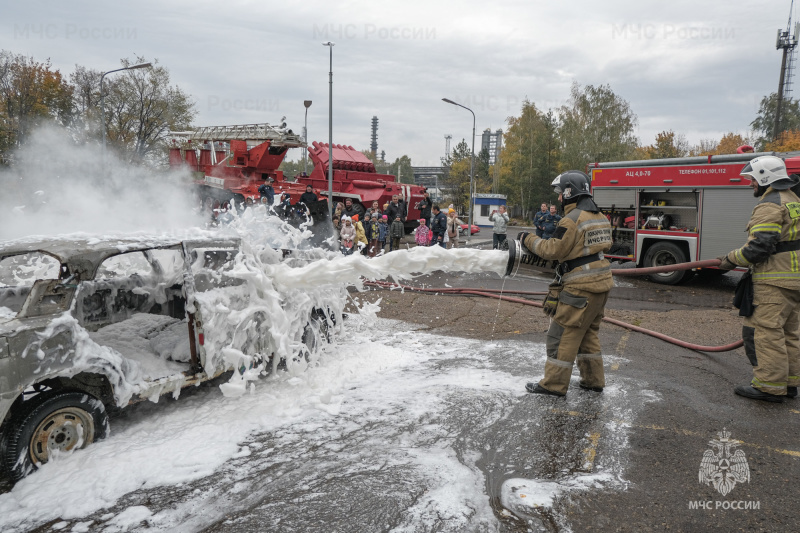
<point>86,325</point>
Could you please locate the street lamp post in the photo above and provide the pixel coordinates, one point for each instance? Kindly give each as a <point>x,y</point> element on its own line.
<point>330,45</point>
<point>471,168</point>
<point>306,103</point>
<point>103,101</point>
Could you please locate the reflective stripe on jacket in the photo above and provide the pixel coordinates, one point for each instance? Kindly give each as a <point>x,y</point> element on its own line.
<point>774,220</point>
<point>579,233</point>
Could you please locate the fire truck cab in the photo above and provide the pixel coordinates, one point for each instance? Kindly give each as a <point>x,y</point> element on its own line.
<point>667,211</point>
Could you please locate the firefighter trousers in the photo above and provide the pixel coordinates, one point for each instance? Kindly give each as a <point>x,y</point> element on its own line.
<point>573,334</point>
<point>772,340</point>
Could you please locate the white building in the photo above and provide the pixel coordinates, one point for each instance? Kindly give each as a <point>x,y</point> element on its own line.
<point>483,205</point>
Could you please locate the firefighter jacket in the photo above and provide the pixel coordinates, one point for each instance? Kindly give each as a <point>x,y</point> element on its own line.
<point>773,243</point>
<point>580,233</point>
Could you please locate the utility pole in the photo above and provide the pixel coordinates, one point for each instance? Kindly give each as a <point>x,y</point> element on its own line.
<point>786,42</point>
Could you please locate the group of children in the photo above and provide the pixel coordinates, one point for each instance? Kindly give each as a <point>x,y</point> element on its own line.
<point>371,235</point>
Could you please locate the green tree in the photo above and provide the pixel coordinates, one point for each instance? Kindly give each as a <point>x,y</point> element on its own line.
<point>402,169</point>
<point>596,125</point>
<point>483,172</point>
<point>764,124</point>
<point>31,95</point>
<point>668,144</point>
<point>529,159</point>
<point>291,169</point>
<point>456,177</point>
<point>141,107</point>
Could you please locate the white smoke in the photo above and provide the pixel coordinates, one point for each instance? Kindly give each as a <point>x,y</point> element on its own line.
<point>57,187</point>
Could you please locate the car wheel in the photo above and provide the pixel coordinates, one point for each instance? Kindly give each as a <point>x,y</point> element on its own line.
<point>463,232</point>
<point>664,254</point>
<point>53,420</point>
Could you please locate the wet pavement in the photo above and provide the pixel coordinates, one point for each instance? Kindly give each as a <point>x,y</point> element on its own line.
<point>429,429</point>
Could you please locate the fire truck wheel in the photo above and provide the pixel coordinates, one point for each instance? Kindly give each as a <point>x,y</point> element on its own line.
<point>664,254</point>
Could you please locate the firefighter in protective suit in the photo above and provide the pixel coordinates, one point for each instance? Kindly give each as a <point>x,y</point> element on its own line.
<point>578,296</point>
<point>772,254</point>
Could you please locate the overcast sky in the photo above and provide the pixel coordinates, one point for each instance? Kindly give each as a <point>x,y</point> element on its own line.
<point>698,68</point>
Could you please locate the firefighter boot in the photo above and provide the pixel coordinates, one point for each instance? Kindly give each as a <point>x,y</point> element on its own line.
<point>748,391</point>
<point>535,388</point>
<point>791,392</point>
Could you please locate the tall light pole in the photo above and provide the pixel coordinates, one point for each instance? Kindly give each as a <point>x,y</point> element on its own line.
<point>103,101</point>
<point>306,103</point>
<point>330,130</point>
<point>471,167</point>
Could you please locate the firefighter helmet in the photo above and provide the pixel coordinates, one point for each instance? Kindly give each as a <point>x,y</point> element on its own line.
<point>572,184</point>
<point>768,171</point>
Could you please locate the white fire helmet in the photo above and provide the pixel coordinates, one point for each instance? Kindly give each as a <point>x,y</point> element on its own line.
<point>766,170</point>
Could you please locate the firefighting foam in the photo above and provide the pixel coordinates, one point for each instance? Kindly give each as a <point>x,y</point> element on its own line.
<point>73,190</point>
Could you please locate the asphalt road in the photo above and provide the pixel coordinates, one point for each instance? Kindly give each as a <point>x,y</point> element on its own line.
<point>625,460</point>
<point>692,401</point>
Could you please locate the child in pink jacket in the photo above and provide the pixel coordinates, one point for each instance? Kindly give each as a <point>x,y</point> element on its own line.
<point>422,233</point>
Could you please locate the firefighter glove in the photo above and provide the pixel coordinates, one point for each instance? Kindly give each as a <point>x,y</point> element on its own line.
<point>725,263</point>
<point>550,303</point>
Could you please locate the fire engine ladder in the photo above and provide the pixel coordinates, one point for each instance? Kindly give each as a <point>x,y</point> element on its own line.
<point>246,132</point>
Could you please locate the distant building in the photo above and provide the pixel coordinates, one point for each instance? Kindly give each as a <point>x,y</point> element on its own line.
<point>483,205</point>
<point>492,142</point>
<point>430,177</point>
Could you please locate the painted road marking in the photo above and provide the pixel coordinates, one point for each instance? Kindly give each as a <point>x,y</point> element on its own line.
<point>679,431</point>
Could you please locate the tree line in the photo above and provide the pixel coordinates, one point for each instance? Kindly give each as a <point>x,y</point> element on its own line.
<point>594,125</point>
<point>141,106</point>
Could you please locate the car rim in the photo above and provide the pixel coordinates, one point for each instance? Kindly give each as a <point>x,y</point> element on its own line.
<point>62,430</point>
<point>664,259</point>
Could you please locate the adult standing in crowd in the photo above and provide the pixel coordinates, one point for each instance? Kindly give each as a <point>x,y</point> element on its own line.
<point>308,197</point>
<point>376,208</point>
<point>424,206</point>
<point>770,332</point>
<point>438,226</point>
<point>550,223</point>
<point>351,208</point>
<point>267,191</point>
<point>537,220</point>
<point>395,209</point>
<point>453,228</point>
<point>577,298</point>
<point>500,219</point>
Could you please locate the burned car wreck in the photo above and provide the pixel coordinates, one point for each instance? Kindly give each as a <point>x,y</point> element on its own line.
<point>90,324</point>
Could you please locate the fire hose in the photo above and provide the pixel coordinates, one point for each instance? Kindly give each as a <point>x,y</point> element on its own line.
<point>501,294</point>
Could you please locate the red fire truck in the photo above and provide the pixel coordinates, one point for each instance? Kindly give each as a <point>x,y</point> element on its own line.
<point>667,211</point>
<point>229,163</point>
